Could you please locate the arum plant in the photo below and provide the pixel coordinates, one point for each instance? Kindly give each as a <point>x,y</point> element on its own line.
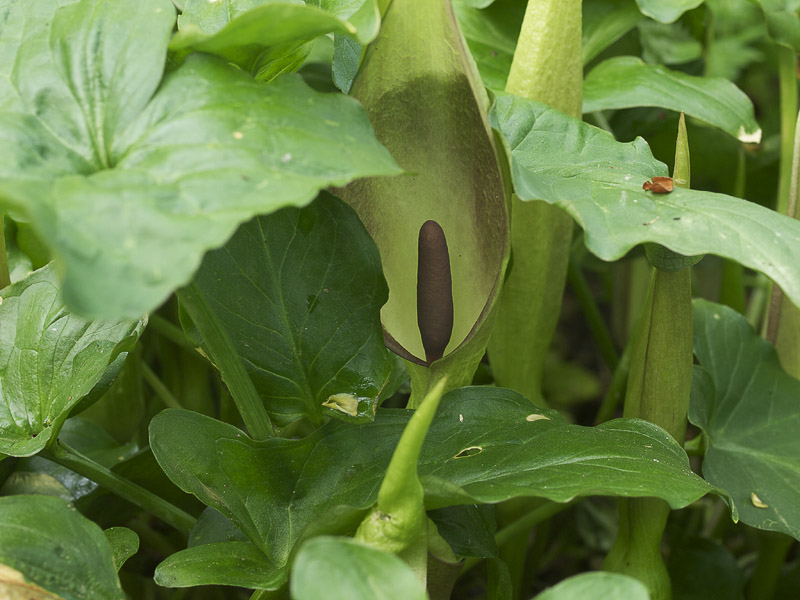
<point>442,226</point>
<point>659,386</point>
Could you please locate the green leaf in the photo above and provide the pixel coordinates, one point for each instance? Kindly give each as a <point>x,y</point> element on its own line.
<point>671,44</point>
<point>608,586</point>
<point>598,181</point>
<point>485,445</point>
<point>299,293</point>
<point>211,527</point>
<point>783,22</point>
<point>131,193</point>
<point>604,22</point>
<point>747,407</point>
<point>124,544</point>
<point>49,360</point>
<point>666,11</point>
<point>54,547</point>
<point>344,569</point>
<point>492,35</point>
<point>265,40</point>
<point>702,568</point>
<point>220,563</point>
<point>468,530</point>
<point>626,81</point>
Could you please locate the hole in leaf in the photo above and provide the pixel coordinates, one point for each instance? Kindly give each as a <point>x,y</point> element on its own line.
<point>471,451</point>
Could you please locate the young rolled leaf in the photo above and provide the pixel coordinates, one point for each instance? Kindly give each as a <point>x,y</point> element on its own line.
<point>37,332</point>
<point>627,81</point>
<point>129,177</point>
<point>747,407</point>
<point>47,546</point>
<point>598,181</point>
<point>428,108</point>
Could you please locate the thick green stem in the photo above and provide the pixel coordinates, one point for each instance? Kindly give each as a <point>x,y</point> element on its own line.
<point>546,67</point>
<point>398,522</point>
<point>659,386</point>
<point>783,319</point>
<point>62,454</point>
<point>227,360</point>
<point>772,552</point>
<point>5,277</point>
<point>787,78</point>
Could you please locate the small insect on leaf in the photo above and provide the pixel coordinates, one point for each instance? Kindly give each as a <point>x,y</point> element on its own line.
<point>658,185</point>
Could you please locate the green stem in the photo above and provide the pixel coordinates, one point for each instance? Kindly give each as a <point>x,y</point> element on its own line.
<point>227,360</point>
<point>732,292</point>
<point>5,277</point>
<point>170,332</point>
<point>159,388</point>
<point>787,79</point>
<point>772,552</point>
<point>62,454</point>
<point>659,386</point>
<point>593,316</point>
<point>616,391</point>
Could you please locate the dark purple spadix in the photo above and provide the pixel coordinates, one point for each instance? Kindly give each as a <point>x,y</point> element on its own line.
<point>434,291</point>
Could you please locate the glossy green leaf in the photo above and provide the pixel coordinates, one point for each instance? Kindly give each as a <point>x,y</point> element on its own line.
<point>344,569</point>
<point>783,21</point>
<point>49,359</point>
<point>666,11</point>
<point>485,445</point>
<point>54,547</point>
<point>221,563</point>
<point>299,293</point>
<point>626,81</point>
<point>747,407</point>
<point>598,181</point>
<point>604,22</point>
<point>124,544</point>
<point>131,193</point>
<point>265,38</point>
<point>492,35</point>
<point>586,586</point>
